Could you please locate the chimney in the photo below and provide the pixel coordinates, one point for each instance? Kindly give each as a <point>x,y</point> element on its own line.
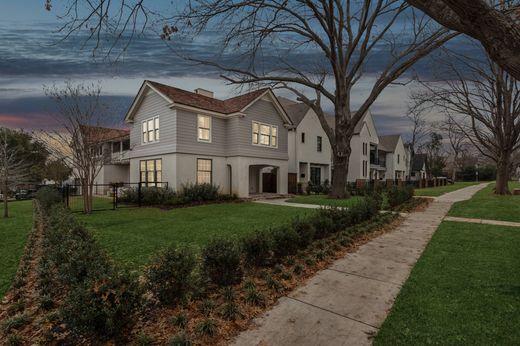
<point>204,92</point>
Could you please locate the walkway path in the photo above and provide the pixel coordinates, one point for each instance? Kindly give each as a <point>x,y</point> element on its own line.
<point>347,303</point>
<point>482,221</point>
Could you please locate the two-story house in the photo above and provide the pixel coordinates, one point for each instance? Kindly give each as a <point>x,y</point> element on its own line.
<point>309,148</point>
<point>239,144</point>
<point>395,156</point>
<point>364,163</point>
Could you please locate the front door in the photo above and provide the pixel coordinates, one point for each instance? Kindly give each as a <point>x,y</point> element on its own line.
<point>316,175</point>
<point>269,182</point>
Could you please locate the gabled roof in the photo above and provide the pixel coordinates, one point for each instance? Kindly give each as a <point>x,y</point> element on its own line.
<point>102,134</point>
<point>188,98</point>
<point>388,143</point>
<point>418,162</point>
<point>295,110</point>
<point>231,106</point>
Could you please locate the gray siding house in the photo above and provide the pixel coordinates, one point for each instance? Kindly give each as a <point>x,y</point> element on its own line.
<point>180,137</point>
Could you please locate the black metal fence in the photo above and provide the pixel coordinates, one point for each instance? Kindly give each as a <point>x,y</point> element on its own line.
<point>107,196</point>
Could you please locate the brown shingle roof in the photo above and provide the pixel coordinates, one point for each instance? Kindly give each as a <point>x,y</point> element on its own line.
<point>102,134</point>
<point>188,98</point>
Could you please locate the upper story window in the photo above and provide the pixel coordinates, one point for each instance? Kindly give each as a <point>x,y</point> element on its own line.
<point>303,137</point>
<point>365,148</point>
<point>398,158</point>
<point>203,128</point>
<point>150,130</point>
<point>264,134</point>
<point>319,140</point>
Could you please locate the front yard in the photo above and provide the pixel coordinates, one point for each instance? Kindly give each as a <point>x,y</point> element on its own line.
<point>441,190</point>
<point>13,234</point>
<point>464,290</point>
<point>325,200</point>
<point>133,235</point>
<point>486,205</point>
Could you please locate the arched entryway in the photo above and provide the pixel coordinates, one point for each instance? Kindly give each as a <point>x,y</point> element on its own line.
<point>263,179</point>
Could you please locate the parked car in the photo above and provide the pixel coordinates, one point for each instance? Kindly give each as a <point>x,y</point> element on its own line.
<point>25,194</point>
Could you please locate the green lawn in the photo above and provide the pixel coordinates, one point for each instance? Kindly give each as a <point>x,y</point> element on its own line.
<point>464,290</point>
<point>441,190</point>
<point>98,203</point>
<point>133,235</point>
<point>13,234</point>
<point>325,200</point>
<point>486,205</point>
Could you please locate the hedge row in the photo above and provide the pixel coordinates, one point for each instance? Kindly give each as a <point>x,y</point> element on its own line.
<point>189,194</point>
<point>99,296</point>
<point>398,195</point>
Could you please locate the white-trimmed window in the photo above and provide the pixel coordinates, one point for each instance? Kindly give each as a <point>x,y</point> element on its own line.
<point>203,128</point>
<point>151,172</point>
<point>265,134</point>
<point>150,130</point>
<point>204,171</point>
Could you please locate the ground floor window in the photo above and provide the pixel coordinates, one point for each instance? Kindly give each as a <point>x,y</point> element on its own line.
<point>316,175</point>
<point>151,172</point>
<point>204,171</point>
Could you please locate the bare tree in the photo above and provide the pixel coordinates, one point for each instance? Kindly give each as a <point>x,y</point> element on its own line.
<point>14,169</point>
<point>484,102</point>
<point>420,129</point>
<point>496,27</point>
<point>457,143</point>
<point>77,140</point>
<point>346,37</point>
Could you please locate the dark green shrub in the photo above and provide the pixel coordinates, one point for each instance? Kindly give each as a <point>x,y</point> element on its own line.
<point>254,297</point>
<point>103,306</point>
<point>399,194</point>
<point>285,241</point>
<point>207,306</point>
<point>46,302</point>
<point>15,340</point>
<point>48,197</point>
<point>257,248</point>
<point>144,340</point>
<point>228,293</point>
<point>298,269</point>
<point>322,224</point>
<point>221,261</point>
<point>14,322</point>
<point>199,193</point>
<point>170,274</point>
<point>305,230</point>
<point>180,339</point>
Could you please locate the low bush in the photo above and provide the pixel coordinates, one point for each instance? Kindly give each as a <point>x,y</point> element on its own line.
<point>221,261</point>
<point>285,241</point>
<point>199,193</point>
<point>399,194</point>
<point>305,230</point>
<point>102,306</point>
<point>180,339</point>
<point>257,248</point>
<point>170,275</point>
<point>48,197</point>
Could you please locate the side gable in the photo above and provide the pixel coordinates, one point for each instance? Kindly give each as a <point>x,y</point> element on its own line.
<point>369,123</point>
<point>269,96</point>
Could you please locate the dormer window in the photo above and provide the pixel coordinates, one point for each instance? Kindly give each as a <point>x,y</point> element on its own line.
<point>204,128</point>
<point>150,130</point>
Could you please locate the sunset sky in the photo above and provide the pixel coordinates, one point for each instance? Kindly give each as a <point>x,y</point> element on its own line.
<point>32,55</point>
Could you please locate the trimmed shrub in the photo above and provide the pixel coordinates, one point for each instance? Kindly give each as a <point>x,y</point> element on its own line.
<point>221,261</point>
<point>48,197</point>
<point>305,230</point>
<point>323,225</point>
<point>398,195</point>
<point>102,306</point>
<point>257,248</point>
<point>149,196</point>
<point>199,193</point>
<point>285,241</point>
<point>180,339</point>
<point>170,274</point>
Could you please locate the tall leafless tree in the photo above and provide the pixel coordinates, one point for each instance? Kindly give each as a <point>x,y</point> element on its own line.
<point>345,35</point>
<point>457,143</point>
<point>77,140</point>
<point>420,128</point>
<point>484,102</point>
<point>494,23</point>
<point>14,169</point>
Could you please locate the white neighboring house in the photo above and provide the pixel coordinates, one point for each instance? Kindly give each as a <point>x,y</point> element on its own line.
<point>395,157</point>
<point>418,167</point>
<point>310,153</point>
<point>364,163</point>
<point>179,137</point>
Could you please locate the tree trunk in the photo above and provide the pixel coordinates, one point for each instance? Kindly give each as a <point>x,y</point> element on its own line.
<point>340,161</point>
<point>6,204</point>
<point>502,186</point>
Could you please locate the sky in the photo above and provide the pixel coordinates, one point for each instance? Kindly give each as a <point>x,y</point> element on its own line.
<point>33,55</point>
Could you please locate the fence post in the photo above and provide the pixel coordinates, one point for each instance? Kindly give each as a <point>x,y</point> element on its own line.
<point>67,194</point>
<point>139,195</point>
<point>114,196</point>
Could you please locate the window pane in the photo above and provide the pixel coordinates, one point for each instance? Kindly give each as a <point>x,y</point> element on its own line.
<point>204,177</point>
<point>150,136</point>
<point>150,125</point>
<point>264,139</point>
<point>255,138</point>
<point>151,177</point>
<point>273,141</point>
<point>150,166</point>
<point>204,121</point>
<point>156,134</point>
<point>143,166</point>
<point>158,165</point>
<point>255,127</point>
<point>143,176</point>
<point>264,129</point>
<point>156,123</point>
<point>204,134</point>
<point>145,128</point>
<point>159,176</point>
<point>274,131</point>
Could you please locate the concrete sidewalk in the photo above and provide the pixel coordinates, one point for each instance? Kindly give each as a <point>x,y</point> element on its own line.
<point>347,303</point>
<point>482,221</point>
